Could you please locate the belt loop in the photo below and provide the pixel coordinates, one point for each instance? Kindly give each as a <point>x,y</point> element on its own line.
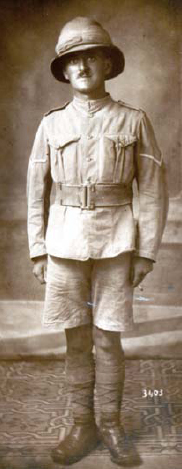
<point>60,186</point>
<point>90,202</point>
<point>87,202</point>
<point>84,197</point>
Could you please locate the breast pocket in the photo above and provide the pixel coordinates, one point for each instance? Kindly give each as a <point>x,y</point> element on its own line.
<point>64,158</point>
<point>116,158</point>
<point>124,167</point>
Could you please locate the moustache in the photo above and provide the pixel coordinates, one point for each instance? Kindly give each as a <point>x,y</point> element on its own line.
<point>84,75</point>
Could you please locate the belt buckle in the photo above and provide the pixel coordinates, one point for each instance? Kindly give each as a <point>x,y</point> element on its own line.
<point>87,202</point>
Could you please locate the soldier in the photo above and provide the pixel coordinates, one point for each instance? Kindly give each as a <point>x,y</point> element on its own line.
<point>92,149</point>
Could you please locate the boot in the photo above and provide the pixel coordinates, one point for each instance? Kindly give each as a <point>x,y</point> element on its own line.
<point>122,451</point>
<point>109,385</point>
<point>83,437</point>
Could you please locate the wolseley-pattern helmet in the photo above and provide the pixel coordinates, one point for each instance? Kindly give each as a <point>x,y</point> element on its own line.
<point>84,33</point>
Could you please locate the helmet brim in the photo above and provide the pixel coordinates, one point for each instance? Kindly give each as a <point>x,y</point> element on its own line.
<point>116,55</point>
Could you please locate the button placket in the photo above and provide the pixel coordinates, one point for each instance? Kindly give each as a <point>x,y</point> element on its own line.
<point>90,147</point>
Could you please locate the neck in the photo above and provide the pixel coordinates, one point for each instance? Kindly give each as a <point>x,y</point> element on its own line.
<point>95,94</point>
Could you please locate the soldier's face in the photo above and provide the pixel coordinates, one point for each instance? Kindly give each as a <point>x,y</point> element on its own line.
<point>87,70</point>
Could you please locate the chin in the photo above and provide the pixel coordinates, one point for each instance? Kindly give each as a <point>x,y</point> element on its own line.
<point>85,89</point>
<point>85,86</point>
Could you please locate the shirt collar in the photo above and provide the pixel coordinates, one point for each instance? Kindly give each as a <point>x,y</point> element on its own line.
<point>91,106</point>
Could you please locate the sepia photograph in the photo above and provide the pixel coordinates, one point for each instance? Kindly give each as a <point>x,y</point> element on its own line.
<point>91,234</point>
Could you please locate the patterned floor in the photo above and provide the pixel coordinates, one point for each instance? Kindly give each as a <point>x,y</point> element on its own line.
<point>33,412</point>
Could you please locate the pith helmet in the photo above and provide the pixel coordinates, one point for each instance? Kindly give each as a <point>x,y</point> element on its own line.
<point>84,33</point>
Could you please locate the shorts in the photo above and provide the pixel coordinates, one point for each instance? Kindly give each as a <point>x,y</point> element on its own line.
<point>95,291</point>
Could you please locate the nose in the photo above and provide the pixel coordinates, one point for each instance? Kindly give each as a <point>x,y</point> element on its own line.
<point>83,65</point>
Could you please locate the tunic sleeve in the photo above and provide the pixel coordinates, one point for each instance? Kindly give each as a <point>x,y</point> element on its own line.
<point>152,189</point>
<point>38,192</point>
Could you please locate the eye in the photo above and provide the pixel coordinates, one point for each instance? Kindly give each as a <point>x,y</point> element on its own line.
<point>91,58</point>
<point>73,60</point>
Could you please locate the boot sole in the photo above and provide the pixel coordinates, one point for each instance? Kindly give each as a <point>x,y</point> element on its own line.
<point>127,462</point>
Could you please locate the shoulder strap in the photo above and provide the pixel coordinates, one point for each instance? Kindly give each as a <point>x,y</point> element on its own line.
<point>122,103</point>
<point>57,109</point>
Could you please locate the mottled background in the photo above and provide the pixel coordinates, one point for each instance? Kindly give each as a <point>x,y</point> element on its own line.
<point>148,32</point>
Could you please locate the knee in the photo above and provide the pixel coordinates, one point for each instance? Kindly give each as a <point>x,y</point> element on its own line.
<point>107,342</point>
<point>79,340</point>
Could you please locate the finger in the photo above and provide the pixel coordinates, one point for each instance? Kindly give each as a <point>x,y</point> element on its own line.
<point>45,274</point>
<point>137,280</point>
<point>39,275</point>
<point>132,270</point>
<point>35,273</point>
<point>131,274</point>
<point>41,279</point>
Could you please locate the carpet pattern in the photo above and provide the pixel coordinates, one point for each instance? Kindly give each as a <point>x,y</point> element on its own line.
<point>35,409</point>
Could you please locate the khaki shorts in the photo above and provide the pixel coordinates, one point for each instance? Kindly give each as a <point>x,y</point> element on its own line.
<point>96,291</point>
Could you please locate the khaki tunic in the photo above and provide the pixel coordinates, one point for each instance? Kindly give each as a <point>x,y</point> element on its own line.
<point>102,142</point>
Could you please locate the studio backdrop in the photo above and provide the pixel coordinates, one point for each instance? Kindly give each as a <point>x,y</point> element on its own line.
<point>149,35</point>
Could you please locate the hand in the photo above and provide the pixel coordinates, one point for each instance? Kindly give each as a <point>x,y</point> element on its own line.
<point>40,268</point>
<point>140,267</point>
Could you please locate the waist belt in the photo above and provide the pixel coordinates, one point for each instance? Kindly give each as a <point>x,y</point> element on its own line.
<point>90,196</point>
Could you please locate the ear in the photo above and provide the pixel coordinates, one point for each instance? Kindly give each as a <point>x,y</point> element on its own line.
<point>108,66</point>
<point>65,74</point>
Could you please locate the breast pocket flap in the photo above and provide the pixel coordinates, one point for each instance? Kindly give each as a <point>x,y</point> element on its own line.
<point>126,140</point>
<point>62,142</point>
